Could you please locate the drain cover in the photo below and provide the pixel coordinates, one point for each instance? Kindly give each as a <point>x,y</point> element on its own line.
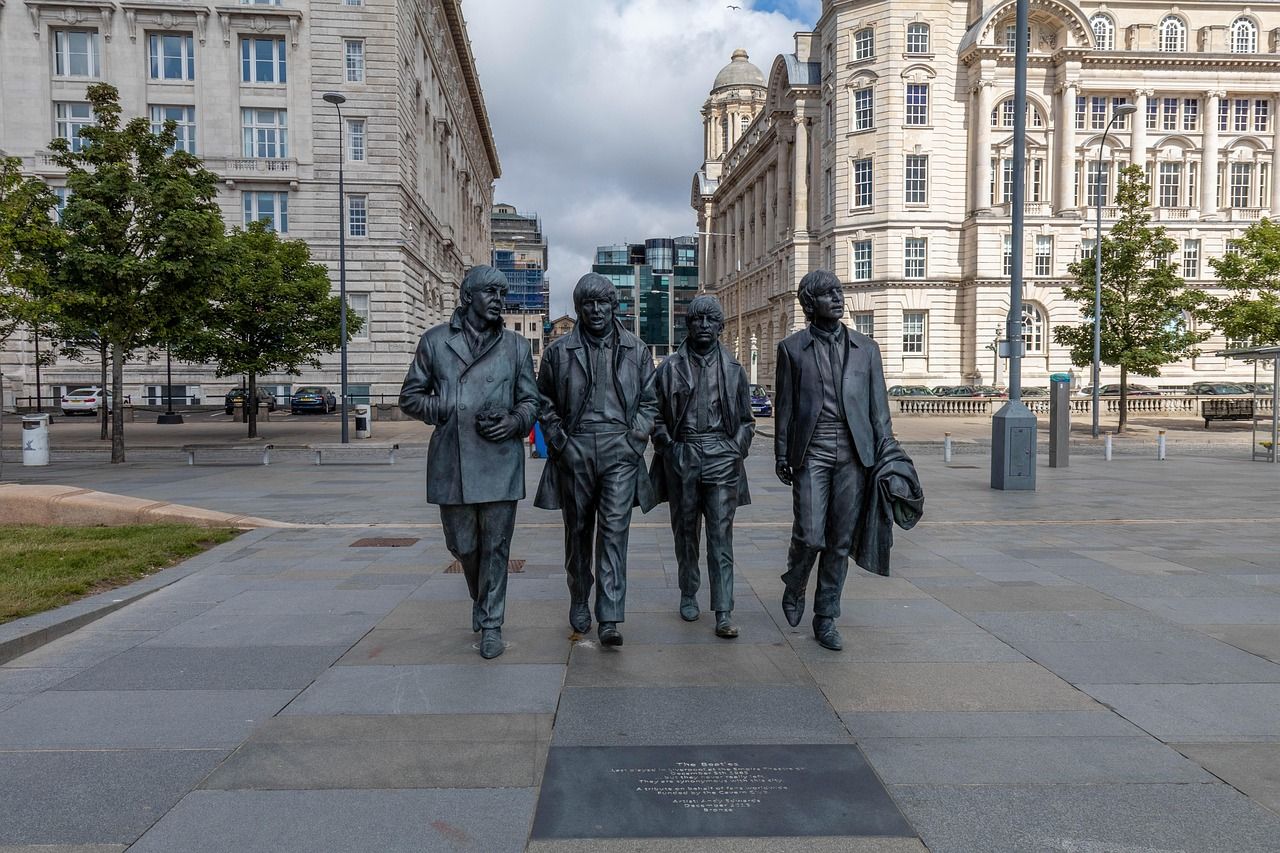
<point>384,542</point>
<point>514,567</point>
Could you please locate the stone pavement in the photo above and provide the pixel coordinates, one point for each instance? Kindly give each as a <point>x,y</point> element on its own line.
<point>1091,668</point>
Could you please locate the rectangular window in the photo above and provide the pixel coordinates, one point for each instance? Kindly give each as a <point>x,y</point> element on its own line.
<point>860,261</point>
<point>1098,113</point>
<point>864,44</point>
<point>1087,245</point>
<point>355,139</point>
<point>75,53</point>
<point>1081,105</point>
<point>1240,113</point>
<point>358,304</point>
<point>1233,247</point>
<point>914,252</point>
<point>262,60</point>
<point>917,104</point>
<point>70,117</point>
<point>1169,114</point>
<point>1153,113</point>
<point>259,2</point>
<point>1007,254</point>
<point>172,56</point>
<point>1096,190</point>
<point>1190,258</point>
<point>828,193</point>
<point>352,2</point>
<point>1191,114</point>
<point>1122,122</point>
<point>1224,113</point>
<point>184,118</point>
<point>1044,254</point>
<point>353,50</point>
<point>1169,187</point>
<point>915,190</point>
<point>862,183</point>
<point>864,115</point>
<point>913,332</point>
<point>917,38</point>
<point>1241,184</point>
<point>864,322</point>
<point>357,216</point>
<point>266,132</point>
<point>1261,116</point>
<point>61,194</point>
<point>270,206</point>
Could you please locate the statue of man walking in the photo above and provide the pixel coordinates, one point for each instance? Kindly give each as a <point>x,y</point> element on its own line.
<point>473,380</point>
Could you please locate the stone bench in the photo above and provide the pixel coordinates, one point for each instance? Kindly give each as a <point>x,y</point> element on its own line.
<point>264,450</point>
<point>339,449</point>
<point>1226,409</point>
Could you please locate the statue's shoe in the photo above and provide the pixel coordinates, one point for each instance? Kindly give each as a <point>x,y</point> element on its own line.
<point>689,608</point>
<point>793,605</point>
<point>724,627</point>
<point>491,644</point>
<point>824,630</point>
<point>609,634</point>
<point>580,616</point>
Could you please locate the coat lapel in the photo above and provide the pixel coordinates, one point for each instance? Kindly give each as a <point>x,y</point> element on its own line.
<point>458,343</point>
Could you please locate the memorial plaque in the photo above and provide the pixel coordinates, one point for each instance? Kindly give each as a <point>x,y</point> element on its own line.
<point>713,791</point>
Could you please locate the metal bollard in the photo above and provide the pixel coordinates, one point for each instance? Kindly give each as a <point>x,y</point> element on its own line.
<point>946,447</point>
<point>1106,447</point>
<point>1160,449</point>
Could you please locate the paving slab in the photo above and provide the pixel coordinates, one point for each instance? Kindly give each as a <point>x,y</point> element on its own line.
<point>82,649</point>
<point>457,645</point>
<point>307,601</point>
<point>808,844</point>
<point>946,687</point>
<point>906,645</point>
<point>1257,608</point>
<point>398,821</point>
<point>62,848</point>
<point>1027,598</point>
<point>988,724</point>
<point>33,679</point>
<point>312,629</point>
<point>431,615</point>
<point>484,687</point>
<point>1194,712</point>
<point>1261,640</point>
<point>236,668</point>
<point>1082,626</point>
<point>1253,768</point>
<point>684,665</point>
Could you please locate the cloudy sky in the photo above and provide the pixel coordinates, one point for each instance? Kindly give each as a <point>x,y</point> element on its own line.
<point>594,106</point>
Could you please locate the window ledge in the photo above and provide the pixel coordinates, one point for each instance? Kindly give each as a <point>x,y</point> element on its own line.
<point>859,132</point>
<point>918,55</point>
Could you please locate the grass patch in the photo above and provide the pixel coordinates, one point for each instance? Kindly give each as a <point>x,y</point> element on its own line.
<point>46,567</point>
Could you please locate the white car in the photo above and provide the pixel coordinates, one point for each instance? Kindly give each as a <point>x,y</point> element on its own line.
<point>84,400</point>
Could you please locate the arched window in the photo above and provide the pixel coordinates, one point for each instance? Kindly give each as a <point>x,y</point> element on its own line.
<point>1033,328</point>
<point>1104,32</point>
<point>746,122</point>
<point>1003,115</point>
<point>917,38</point>
<point>1173,35</point>
<point>1244,36</point>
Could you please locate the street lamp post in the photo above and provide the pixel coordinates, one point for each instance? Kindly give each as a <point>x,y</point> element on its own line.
<point>338,100</point>
<point>1122,110</point>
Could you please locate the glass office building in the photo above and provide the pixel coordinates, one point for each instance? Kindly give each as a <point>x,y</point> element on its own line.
<point>656,280</point>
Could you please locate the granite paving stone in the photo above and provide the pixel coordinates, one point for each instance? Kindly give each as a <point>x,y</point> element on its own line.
<point>312,629</point>
<point>236,668</point>
<point>988,724</point>
<point>457,645</point>
<point>906,645</point>
<point>1261,640</point>
<point>1255,608</point>
<point>755,627</point>
<point>482,687</point>
<point>62,848</point>
<point>84,648</point>
<point>1194,712</point>
<point>33,679</point>
<point>1253,768</point>
<point>684,665</point>
<point>946,687</point>
<point>808,844</point>
<point>1027,598</point>
<point>1170,661</point>
<point>1078,626</point>
<point>300,602</point>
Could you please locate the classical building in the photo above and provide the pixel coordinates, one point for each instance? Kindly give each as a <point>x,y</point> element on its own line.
<point>520,251</point>
<point>656,281</point>
<point>882,149</point>
<point>244,83</point>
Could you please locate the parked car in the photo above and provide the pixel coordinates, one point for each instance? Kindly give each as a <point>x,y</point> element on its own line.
<point>1212,389</point>
<point>989,391</point>
<point>909,391</point>
<point>1113,390</point>
<point>1258,387</point>
<point>1035,392</point>
<point>85,400</point>
<point>237,395</point>
<point>313,398</point>
<point>761,403</point>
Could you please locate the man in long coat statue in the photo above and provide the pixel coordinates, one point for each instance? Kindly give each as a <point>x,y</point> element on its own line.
<point>597,413</point>
<point>702,434</point>
<point>473,380</point>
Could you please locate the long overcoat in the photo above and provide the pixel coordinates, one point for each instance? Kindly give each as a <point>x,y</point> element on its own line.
<point>564,381</point>
<point>447,387</point>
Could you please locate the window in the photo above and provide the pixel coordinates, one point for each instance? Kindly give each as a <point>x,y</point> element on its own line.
<point>913,331</point>
<point>1244,36</point>
<point>1011,38</point>
<point>1007,255</point>
<point>266,133</point>
<point>744,123</point>
<point>917,38</point>
<point>353,50</point>
<point>75,53</point>
<point>355,139</point>
<point>61,194</point>
<point>917,104</point>
<point>1169,113</point>
<point>1240,115</point>
<point>1096,187</point>
<point>915,190</point>
<point>172,56</point>
<point>1233,247</point>
<point>1087,245</point>
<point>357,216</point>
<point>828,194</point>
<point>1081,105</point>
<point>70,117</point>
<point>1173,34</point>
<point>1241,185</point>
<point>864,322</point>
<point>1002,171</point>
<point>860,261</point>
<point>914,251</point>
<point>1153,113</point>
<point>1169,185</point>
<point>1261,116</point>
<point>1032,329</point>
<point>262,60</point>
<point>184,118</point>
<point>1224,113</point>
<point>864,44</point>
<point>1104,32</point>
<point>1191,114</point>
<point>1004,114</point>
<point>864,114</point>
<point>828,120</point>
<point>862,183</point>
<point>724,134</point>
<point>358,304</point>
<point>259,2</point>
<point>1044,254</point>
<point>1190,258</point>
<point>270,206</point>
<point>352,2</point>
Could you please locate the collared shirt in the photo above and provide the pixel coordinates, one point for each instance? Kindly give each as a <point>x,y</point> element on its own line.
<point>604,406</point>
<point>478,340</point>
<point>829,348</point>
<point>705,412</point>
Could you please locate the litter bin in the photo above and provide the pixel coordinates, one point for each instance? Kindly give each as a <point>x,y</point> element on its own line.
<point>363,420</point>
<point>35,439</point>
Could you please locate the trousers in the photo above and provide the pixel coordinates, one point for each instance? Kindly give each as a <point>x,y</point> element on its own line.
<point>702,485</point>
<point>479,537</point>
<point>827,493</point>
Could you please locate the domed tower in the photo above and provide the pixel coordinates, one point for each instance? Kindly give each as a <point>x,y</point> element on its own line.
<point>737,96</point>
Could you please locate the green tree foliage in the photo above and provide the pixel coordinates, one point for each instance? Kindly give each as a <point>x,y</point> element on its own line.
<point>1144,299</point>
<point>1250,275</point>
<point>29,237</point>
<point>273,312</point>
<point>144,237</point>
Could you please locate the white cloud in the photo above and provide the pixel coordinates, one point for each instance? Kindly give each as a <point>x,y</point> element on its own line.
<point>595,109</point>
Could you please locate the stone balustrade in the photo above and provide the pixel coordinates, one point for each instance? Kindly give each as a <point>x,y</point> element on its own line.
<point>1187,405</point>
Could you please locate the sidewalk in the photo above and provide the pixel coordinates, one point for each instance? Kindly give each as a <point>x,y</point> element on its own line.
<point>1091,667</point>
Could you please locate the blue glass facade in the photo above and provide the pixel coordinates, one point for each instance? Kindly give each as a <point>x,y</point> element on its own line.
<point>656,280</point>
<point>520,252</point>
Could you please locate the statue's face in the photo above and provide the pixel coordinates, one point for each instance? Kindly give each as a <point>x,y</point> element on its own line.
<point>596,313</point>
<point>485,308</point>
<point>828,304</point>
<point>704,329</point>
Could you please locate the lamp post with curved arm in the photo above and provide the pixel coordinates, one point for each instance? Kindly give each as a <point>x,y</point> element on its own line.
<point>338,100</point>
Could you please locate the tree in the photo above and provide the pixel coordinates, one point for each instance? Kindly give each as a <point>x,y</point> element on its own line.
<point>1144,301</point>
<point>1250,274</point>
<point>144,236</point>
<point>272,313</point>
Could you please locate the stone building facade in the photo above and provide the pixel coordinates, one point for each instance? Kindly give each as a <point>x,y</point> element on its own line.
<point>245,83</point>
<point>882,147</point>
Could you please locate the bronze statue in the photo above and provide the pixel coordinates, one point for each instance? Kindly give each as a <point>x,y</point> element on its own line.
<point>597,412</point>
<point>473,380</point>
<point>702,434</point>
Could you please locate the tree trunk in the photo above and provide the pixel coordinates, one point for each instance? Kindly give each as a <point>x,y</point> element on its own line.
<point>117,404</point>
<point>102,383</point>
<point>1124,398</point>
<point>251,405</point>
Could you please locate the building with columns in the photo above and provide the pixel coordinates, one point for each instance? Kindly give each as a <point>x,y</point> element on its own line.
<point>883,151</point>
<point>244,83</point>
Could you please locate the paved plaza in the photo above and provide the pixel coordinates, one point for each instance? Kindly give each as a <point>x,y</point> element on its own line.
<point>1090,668</point>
